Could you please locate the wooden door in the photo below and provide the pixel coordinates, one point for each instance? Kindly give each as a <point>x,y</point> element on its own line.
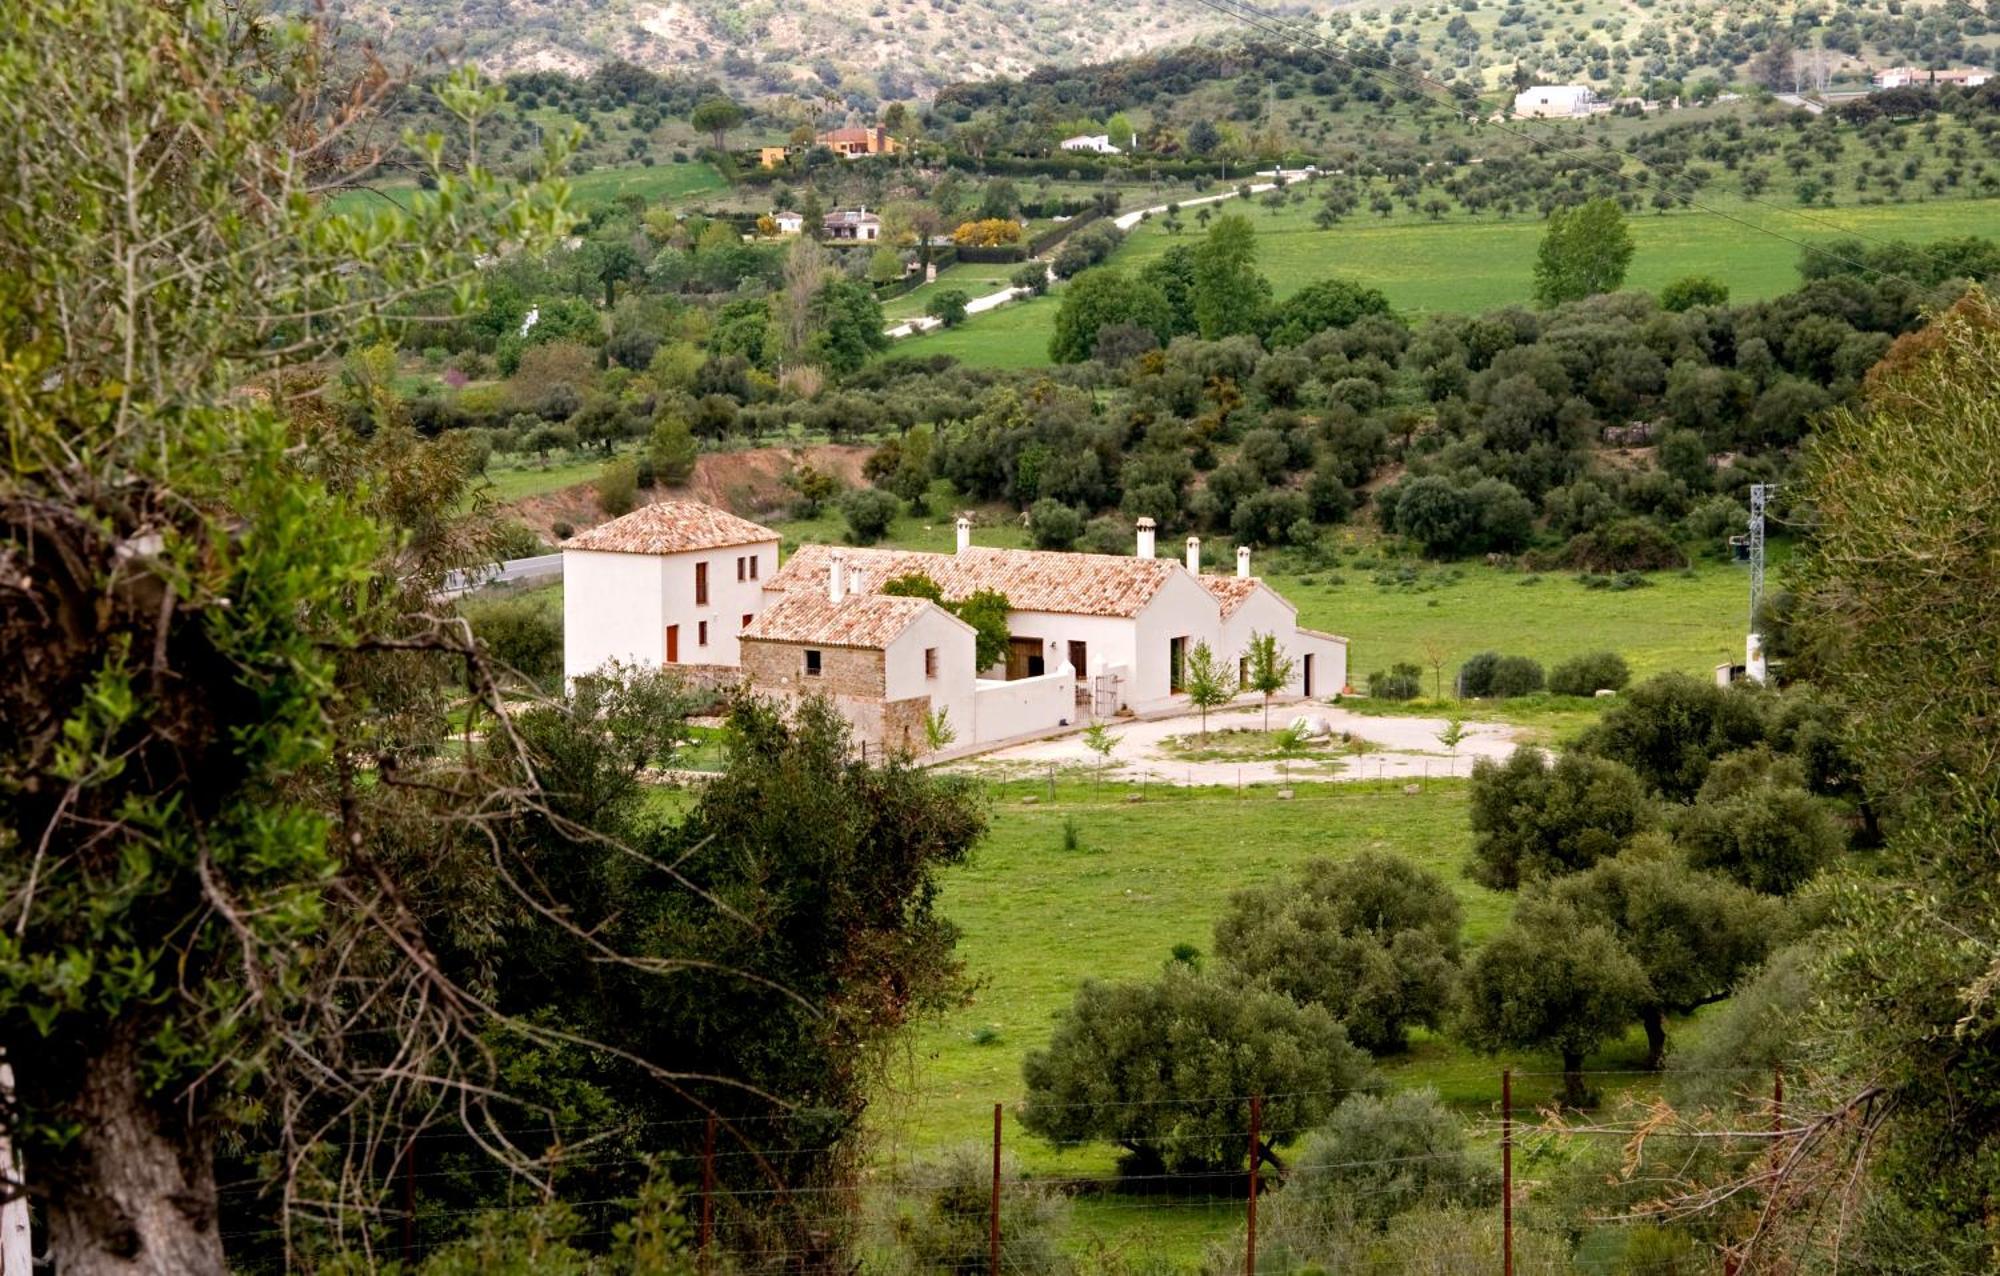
<point>1308,675</point>
<point>1079,658</point>
<point>673,644</point>
<point>1176,665</point>
<point>1024,658</point>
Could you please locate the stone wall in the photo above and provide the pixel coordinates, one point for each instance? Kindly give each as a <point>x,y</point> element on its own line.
<point>844,671</point>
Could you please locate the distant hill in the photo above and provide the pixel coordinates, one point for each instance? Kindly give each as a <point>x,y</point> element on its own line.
<point>880,49</point>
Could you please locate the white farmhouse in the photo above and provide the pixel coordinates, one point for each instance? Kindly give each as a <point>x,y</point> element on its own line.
<point>1089,634</point>
<point>789,222</point>
<point>669,584</point>
<point>1554,101</point>
<point>1098,143</point>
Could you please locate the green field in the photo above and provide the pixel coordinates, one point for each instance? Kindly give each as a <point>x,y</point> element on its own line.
<point>1466,264</point>
<point>660,182</point>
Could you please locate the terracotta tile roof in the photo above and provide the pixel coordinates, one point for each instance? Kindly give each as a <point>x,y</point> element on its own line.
<point>1231,591</point>
<point>868,621</point>
<point>1033,580</point>
<point>671,527</point>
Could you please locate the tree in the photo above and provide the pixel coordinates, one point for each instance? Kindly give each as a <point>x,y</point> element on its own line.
<point>1206,684</point>
<point>1378,1156</point>
<point>1694,935</point>
<point>1374,939</point>
<point>1229,295</point>
<point>672,449</point>
<point>1100,298</point>
<point>869,511</point>
<point>1452,736</point>
<point>1054,525</point>
<point>1322,305</point>
<point>1533,818</point>
<point>948,307</point>
<point>1754,821</point>
<point>1587,675</point>
<point>1584,251</point>
<point>1203,136</point>
<point>847,323</point>
<point>885,266</point>
<point>1671,727</point>
<point>1165,1069</point>
<point>1552,980</point>
<point>715,116</point>
<point>618,487</point>
<point>201,589</point>
<point>1270,669</point>
<point>1690,291</point>
<point>986,610</point>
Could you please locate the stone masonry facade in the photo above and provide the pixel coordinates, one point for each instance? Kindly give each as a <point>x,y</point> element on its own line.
<point>844,671</point>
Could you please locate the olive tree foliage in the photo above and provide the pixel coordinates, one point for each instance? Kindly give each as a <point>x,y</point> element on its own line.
<point>1374,939</point>
<point>214,620</point>
<point>1755,821</point>
<point>1670,729</point>
<point>1585,250</point>
<point>1165,1069</point>
<point>1898,601</point>
<point>1535,818</point>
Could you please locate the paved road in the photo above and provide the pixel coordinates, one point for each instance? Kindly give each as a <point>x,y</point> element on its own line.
<point>540,567</point>
<point>1124,221</point>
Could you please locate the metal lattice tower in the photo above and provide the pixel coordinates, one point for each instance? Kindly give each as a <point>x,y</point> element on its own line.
<point>1759,492</point>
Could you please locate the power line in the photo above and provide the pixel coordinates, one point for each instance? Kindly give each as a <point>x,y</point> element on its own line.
<point>1282,29</point>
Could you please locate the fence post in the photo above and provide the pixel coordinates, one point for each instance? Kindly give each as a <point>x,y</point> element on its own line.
<point>707,1191</point>
<point>1506,1172</point>
<point>1777,1101</point>
<point>993,1212</point>
<point>1256,1148</point>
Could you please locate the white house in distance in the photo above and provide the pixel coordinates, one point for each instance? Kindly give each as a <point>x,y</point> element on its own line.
<point>1897,77</point>
<point>789,222</point>
<point>668,584</point>
<point>1098,143</point>
<point>1553,101</point>
<point>856,224</point>
<point>1089,634</point>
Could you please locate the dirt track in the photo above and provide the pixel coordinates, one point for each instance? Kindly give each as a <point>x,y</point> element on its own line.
<point>749,482</point>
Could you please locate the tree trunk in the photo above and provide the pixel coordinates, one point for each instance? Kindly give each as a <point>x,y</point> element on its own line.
<point>1574,1095</point>
<point>135,1192</point>
<point>1655,1020</point>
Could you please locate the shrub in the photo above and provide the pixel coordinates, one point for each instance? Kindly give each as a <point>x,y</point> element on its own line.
<point>519,631</point>
<point>1054,525</point>
<point>939,1220</point>
<point>618,487</point>
<point>562,529</point>
<point>1587,675</point>
<point>1626,544</point>
<point>1403,681</point>
<point>948,307</point>
<point>1378,1156</point>
<point>869,511</point>
<point>1516,676</point>
<point>1533,818</point>
<point>1475,676</point>
<point>1033,276</point>
<point>672,449</point>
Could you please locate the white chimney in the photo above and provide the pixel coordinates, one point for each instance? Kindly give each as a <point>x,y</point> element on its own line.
<point>1145,538</point>
<point>836,566</point>
<point>964,533</point>
<point>1194,554</point>
<point>856,583</point>
<point>1243,561</point>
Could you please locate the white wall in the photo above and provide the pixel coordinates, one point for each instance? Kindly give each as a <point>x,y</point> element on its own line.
<point>611,610</point>
<point>1107,640</point>
<point>618,606</point>
<point>952,689</point>
<point>1181,608</point>
<point>1025,705</point>
<point>1329,661</point>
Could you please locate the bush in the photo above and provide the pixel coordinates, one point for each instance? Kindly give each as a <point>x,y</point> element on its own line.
<point>948,307</point>
<point>1516,676</point>
<point>939,1220</point>
<point>1054,525</point>
<point>869,511</point>
<point>1403,681</point>
<point>672,449</point>
<point>1373,939</point>
<point>1587,675</point>
<point>1475,676</point>
<point>1033,276</point>
<point>1626,544</point>
<point>1533,818</point>
<point>618,487</point>
<point>1378,1156</point>
<point>521,632</point>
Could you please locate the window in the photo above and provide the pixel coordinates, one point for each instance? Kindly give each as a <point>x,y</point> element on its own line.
<point>753,567</point>
<point>812,663</point>
<point>746,620</point>
<point>701,634</point>
<point>930,662</point>
<point>700,584</point>
<point>1243,671</point>
<point>742,571</point>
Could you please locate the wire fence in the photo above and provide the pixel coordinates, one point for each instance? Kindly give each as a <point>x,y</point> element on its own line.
<point>989,1214</point>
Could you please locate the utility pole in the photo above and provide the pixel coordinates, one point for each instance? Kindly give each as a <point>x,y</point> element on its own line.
<point>1753,648</point>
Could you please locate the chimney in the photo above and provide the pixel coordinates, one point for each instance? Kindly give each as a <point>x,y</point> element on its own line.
<point>836,566</point>
<point>1145,538</point>
<point>856,583</point>
<point>1243,561</point>
<point>1194,555</point>
<point>964,533</point>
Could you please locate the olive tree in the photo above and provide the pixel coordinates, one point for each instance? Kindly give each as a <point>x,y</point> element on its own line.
<point>1535,818</point>
<point>1165,1069</point>
<point>1374,939</point>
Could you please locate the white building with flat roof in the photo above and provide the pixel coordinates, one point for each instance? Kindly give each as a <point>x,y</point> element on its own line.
<point>1556,101</point>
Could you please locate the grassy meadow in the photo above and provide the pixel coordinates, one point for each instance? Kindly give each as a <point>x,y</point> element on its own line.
<point>1467,264</point>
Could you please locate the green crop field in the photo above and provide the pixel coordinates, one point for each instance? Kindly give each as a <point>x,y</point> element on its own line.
<point>1465,264</point>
